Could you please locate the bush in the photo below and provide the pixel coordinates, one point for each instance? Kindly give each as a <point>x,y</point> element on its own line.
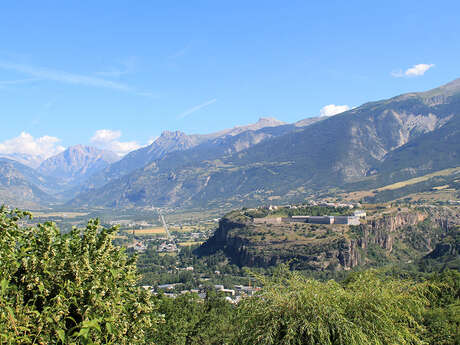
<point>74,288</point>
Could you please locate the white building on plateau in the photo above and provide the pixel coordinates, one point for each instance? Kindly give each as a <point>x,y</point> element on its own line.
<point>347,220</point>
<point>360,214</point>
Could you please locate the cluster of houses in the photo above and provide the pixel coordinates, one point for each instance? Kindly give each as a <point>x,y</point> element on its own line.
<point>167,247</point>
<point>347,220</point>
<point>232,295</point>
<point>312,203</point>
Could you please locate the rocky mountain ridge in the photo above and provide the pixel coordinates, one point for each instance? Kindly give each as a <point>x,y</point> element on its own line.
<point>370,143</point>
<point>77,163</point>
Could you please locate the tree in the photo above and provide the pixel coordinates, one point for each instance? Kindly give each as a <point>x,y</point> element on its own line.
<point>190,320</point>
<point>75,288</point>
<point>292,309</point>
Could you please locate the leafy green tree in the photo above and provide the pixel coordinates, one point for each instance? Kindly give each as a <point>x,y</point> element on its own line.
<point>75,288</point>
<point>192,321</point>
<point>292,309</point>
<point>442,319</point>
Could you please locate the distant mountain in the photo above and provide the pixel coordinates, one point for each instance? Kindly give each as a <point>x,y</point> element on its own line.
<point>206,151</point>
<point>263,122</point>
<point>291,162</point>
<point>25,159</point>
<point>21,186</point>
<point>77,163</point>
<point>178,141</point>
<point>167,142</point>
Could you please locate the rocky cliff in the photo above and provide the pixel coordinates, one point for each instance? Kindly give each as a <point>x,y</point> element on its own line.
<point>400,236</point>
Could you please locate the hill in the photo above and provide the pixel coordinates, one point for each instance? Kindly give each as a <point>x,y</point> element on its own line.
<point>385,236</point>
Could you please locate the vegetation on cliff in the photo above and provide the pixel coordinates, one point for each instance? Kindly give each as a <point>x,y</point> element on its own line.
<point>390,235</point>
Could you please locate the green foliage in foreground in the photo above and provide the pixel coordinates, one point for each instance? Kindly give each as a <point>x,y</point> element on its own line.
<point>366,309</point>
<point>192,321</point>
<point>74,288</point>
<point>78,288</point>
<point>371,307</point>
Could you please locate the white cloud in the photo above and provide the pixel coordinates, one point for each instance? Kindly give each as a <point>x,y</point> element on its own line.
<point>105,135</point>
<point>196,108</point>
<point>25,144</point>
<point>107,139</point>
<point>414,71</point>
<point>332,109</point>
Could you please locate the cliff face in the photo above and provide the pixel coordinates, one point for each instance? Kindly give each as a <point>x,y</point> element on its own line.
<point>382,231</point>
<point>325,247</point>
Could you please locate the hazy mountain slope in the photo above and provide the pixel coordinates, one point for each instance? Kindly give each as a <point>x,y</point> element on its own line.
<point>263,122</point>
<point>25,159</point>
<point>167,142</point>
<point>21,186</point>
<point>77,163</point>
<point>326,154</point>
<point>170,142</point>
<point>163,171</point>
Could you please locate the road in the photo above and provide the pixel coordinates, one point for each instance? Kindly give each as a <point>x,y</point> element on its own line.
<point>166,227</point>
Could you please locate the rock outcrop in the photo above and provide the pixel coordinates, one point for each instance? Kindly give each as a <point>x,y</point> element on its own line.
<point>325,247</point>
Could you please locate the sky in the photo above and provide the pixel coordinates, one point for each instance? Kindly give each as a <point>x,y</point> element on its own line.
<point>115,74</point>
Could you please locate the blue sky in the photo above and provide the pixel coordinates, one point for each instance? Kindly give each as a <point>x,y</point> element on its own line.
<point>71,69</point>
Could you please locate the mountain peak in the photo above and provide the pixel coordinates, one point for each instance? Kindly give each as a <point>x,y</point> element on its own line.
<point>76,162</point>
<point>269,121</point>
<point>172,134</point>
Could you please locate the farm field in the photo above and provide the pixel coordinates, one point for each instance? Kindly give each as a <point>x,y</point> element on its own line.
<point>401,184</point>
<point>190,243</point>
<point>41,214</point>
<point>192,228</point>
<point>147,231</point>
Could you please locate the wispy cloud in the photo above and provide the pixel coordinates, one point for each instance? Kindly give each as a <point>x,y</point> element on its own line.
<point>124,67</point>
<point>414,71</point>
<point>62,76</point>
<point>181,52</point>
<point>18,81</point>
<point>41,73</point>
<point>196,108</point>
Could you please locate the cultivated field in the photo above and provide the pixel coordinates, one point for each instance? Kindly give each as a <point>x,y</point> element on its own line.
<point>147,231</point>
<point>402,184</point>
<point>59,214</point>
<point>190,243</point>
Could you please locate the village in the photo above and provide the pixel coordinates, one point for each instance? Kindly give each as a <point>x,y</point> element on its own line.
<point>233,295</point>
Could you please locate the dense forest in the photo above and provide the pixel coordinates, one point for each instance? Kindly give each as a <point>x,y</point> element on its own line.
<point>79,288</point>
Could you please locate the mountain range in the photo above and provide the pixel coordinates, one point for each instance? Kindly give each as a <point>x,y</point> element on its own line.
<point>374,144</point>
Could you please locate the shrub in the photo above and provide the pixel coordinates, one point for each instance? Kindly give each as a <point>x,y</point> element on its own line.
<point>75,288</point>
